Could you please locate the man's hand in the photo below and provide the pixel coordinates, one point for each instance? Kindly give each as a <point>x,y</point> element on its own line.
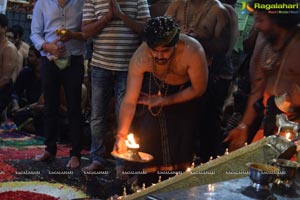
<point>55,49</point>
<point>237,138</point>
<point>151,101</point>
<point>66,35</point>
<point>116,9</point>
<point>120,145</point>
<point>108,16</point>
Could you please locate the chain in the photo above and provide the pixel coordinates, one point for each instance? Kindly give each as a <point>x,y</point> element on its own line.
<point>155,114</point>
<point>187,11</point>
<point>162,85</point>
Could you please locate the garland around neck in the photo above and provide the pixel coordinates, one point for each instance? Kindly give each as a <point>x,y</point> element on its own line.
<point>162,85</point>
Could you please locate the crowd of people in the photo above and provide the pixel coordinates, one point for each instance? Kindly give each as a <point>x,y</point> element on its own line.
<point>165,69</point>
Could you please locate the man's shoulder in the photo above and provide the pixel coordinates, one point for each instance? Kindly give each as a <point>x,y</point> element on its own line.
<point>217,7</point>
<point>25,45</point>
<point>190,44</point>
<point>141,56</point>
<point>229,8</point>
<point>9,46</point>
<point>140,52</point>
<point>188,39</point>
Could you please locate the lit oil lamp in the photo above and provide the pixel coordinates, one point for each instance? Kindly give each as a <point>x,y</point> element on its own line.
<point>133,154</point>
<point>132,147</point>
<point>288,135</point>
<point>211,187</point>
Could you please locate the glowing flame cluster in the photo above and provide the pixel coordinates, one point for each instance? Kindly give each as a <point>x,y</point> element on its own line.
<point>130,142</point>
<point>288,136</point>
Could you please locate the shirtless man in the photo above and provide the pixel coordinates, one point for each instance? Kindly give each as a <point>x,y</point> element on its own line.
<point>168,68</point>
<point>8,53</point>
<point>206,20</point>
<point>274,66</point>
<point>210,23</point>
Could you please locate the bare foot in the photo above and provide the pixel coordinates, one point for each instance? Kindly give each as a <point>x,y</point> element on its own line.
<point>74,162</point>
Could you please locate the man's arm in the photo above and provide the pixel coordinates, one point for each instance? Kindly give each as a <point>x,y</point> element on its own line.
<point>91,25</point>
<point>92,28</point>
<point>258,82</point>
<point>9,64</point>
<point>129,102</point>
<point>239,135</point>
<point>68,35</point>
<point>137,25</point>
<point>37,27</point>
<point>133,88</point>
<point>198,74</point>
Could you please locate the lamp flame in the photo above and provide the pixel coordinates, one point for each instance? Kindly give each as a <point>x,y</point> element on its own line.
<point>288,136</point>
<point>130,142</point>
<point>211,188</point>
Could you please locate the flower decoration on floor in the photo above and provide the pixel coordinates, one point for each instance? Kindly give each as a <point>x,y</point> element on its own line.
<point>6,172</point>
<point>36,188</point>
<point>20,195</point>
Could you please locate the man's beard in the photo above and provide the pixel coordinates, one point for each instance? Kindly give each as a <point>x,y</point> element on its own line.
<point>161,61</point>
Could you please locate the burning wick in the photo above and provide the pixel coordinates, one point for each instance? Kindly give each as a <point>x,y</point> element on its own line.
<point>132,147</point>
<point>188,169</point>
<point>288,136</point>
<point>130,142</point>
<point>211,188</point>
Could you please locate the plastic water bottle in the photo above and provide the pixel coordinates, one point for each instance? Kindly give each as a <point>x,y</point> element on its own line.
<point>62,62</point>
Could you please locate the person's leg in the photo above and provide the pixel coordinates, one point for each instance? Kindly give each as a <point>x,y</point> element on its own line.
<point>120,88</point>
<point>50,87</point>
<point>72,78</point>
<point>101,87</point>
